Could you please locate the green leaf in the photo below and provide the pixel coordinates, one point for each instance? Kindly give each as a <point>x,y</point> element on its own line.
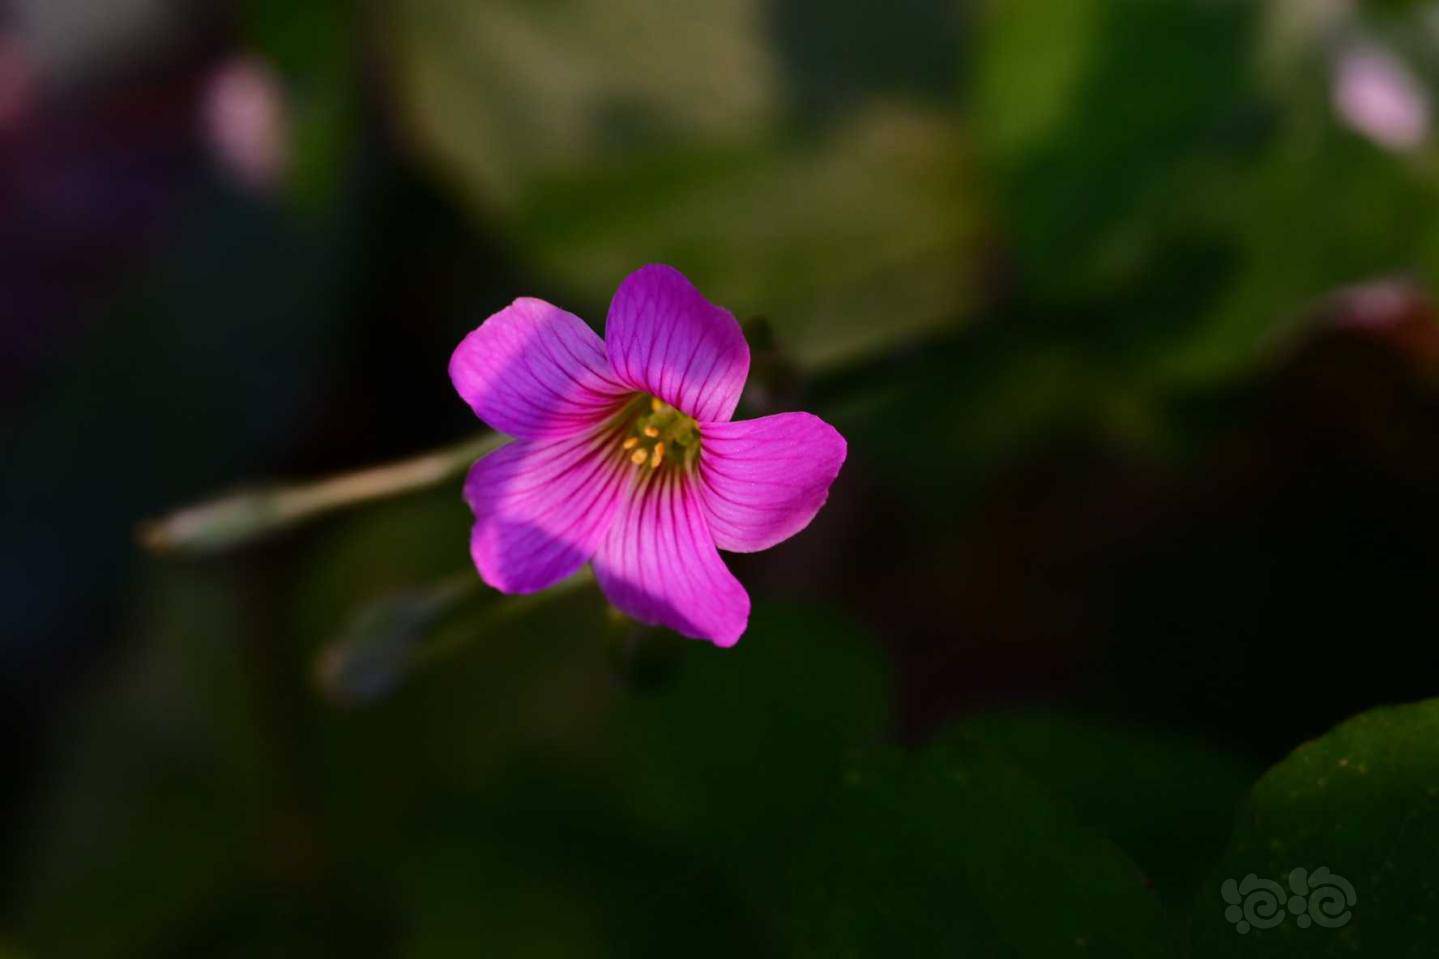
<point>1377,217</point>
<point>1362,802</point>
<point>1110,122</point>
<point>1166,799</point>
<point>601,136</point>
<point>1030,57</point>
<point>739,751</point>
<point>536,867</point>
<point>313,44</point>
<point>954,851</point>
<point>157,805</point>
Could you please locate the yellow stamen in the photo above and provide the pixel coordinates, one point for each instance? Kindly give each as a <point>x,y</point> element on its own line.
<point>637,457</point>
<point>659,454</point>
<point>629,444</point>
<point>655,404</point>
<point>652,431</point>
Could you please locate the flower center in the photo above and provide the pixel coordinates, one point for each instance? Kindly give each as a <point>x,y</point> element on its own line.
<point>654,434</point>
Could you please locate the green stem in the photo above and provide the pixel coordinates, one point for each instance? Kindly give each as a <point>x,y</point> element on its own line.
<point>241,518</point>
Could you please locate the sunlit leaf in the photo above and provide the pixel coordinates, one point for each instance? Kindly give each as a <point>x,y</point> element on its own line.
<point>607,135</point>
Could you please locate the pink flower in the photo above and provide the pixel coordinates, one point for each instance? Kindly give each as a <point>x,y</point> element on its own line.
<point>244,115</point>
<point>1376,95</point>
<point>18,82</point>
<point>626,457</point>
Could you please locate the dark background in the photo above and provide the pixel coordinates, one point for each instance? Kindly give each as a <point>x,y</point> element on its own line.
<point>1124,307</point>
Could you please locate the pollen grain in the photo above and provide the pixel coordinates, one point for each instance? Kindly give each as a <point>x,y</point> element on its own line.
<point>654,435</point>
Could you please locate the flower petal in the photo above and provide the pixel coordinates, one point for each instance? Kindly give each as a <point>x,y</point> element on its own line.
<point>764,479</point>
<point>666,339</point>
<point>659,564</point>
<point>541,508</point>
<point>534,371</point>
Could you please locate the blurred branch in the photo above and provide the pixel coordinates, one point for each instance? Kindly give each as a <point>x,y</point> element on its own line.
<point>243,517</point>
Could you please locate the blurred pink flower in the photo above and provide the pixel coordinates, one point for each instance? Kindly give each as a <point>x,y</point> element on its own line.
<point>1377,304</point>
<point>1375,94</point>
<point>625,454</point>
<point>245,123</point>
<point>17,82</point>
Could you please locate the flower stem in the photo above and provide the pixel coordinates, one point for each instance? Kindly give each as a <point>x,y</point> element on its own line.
<point>241,518</point>
<point>400,634</point>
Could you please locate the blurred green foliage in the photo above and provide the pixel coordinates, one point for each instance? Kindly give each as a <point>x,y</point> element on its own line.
<point>536,793</point>
<point>976,231</point>
<point>316,47</point>
<point>957,851</point>
<point>1165,799</point>
<point>601,136</point>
